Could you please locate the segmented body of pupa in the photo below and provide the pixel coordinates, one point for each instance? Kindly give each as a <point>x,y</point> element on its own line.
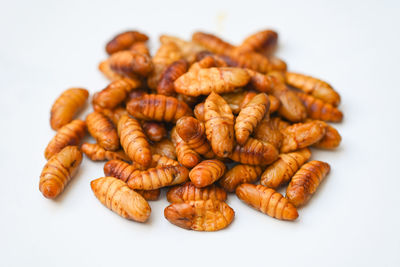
<point>103,130</point>
<point>207,172</point>
<point>239,174</point>
<point>124,40</point>
<point>97,153</point>
<point>254,152</point>
<point>319,110</point>
<point>189,192</point>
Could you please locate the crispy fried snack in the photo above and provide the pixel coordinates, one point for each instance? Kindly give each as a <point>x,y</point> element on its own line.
<point>189,192</point>
<point>121,170</point>
<point>254,152</point>
<point>319,110</point>
<point>330,140</point>
<point>219,125</point>
<point>170,74</point>
<point>66,106</point>
<point>150,195</point>
<point>159,177</point>
<point>291,107</point>
<point>154,131</point>
<point>164,148</point>
<point>212,43</point>
<point>59,170</point>
<point>105,68</point>
<point>269,131</point>
<point>199,111</point>
<point>125,40</point>
<point>277,64</point>
<point>261,82</point>
<point>284,168</point>
<point>264,42</point>
<point>168,53</point>
<point>237,100</point>
<point>186,156</point>
<point>313,86</point>
<point>239,174</point>
<point>306,181</point>
<point>205,81</point>
<point>70,134</point>
<point>201,215</point>
<point>114,114</point>
<point>268,201</point>
<point>301,135</point>
<point>134,141</point>
<point>192,133</point>
<point>189,49</point>
<point>250,116</point>
<point>118,197</point>
<point>130,63</point>
<point>274,104</point>
<point>162,161</point>
<point>115,93</point>
<point>208,61</point>
<point>96,153</point>
<point>158,108</point>
<point>102,129</point>
<point>207,172</point>
<point>140,47</point>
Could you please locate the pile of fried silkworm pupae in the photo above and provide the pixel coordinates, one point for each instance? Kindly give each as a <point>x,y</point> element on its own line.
<point>201,118</point>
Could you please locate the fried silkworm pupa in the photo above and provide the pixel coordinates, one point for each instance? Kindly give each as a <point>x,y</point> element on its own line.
<point>121,170</point>
<point>115,93</point>
<point>59,170</point>
<point>154,131</point>
<point>114,114</point>
<point>134,141</point>
<point>264,42</point>
<point>237,100</point>
<point>189,192</point>
<point>199,111</point>
<point>124,40</point>
<point>66,106</point>
<point>284,168</point>
<point>269,131</point>
<point>261,82</point>
<point>208,61</point>
<point>70,134</point>
<point>306,181</point>
<point>274,103</point>
<point>163,161</point>
<point>239,174</point>
<point>219,125</point>
<point>170,74</point>
<point>250,116</point>
<point>330,140</point>
<point>96,153</point>
<point>319,110</point>
<point>105,68</point>
<point>205,81</point>
<point>140,47</point>
<point>207,172</point>
<point>200,215</point>
<point>130,63</point>
<point>102,129</point>
<point>186,156</point>
<point>212,42</point>
<point>313,86</point>
<point>158,108</point>
<point>254,152</point>
<point>164,148</point>
<point>118,197</point>
<point>189,50</point>
<point>192,133</point>
<point>150,195</point>
<point>277,64</point>
<point>268,201</point>
<point>301,135</point>
<point>291,107</point>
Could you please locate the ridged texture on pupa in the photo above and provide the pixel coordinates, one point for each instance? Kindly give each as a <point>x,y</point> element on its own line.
<point>118,197</point>
<point>159,177</point>
<point>284,168</point>
<point>306,181</point>
<point>301,135</point>
<point>219,122</point>
<point>96,153</point>
<point>59,170</point>
<point>115,93</point>
<point>313,86</point>
<point>124,41</point>
<point>254,152</point>
<point>239,174</point>
<point>264,42</point>
<point>330,140</point>
<point>130,63</point>
<point>66,106</point>
<point>134,141</point>
<point>207,172</point>
<point>250,116</point>
<point>268,201</point>
<point>212,43</point>
<point>208,61</point>
<point>205,81</point>
<point>105,68</point>
<point>261,82</point>
<point>114,114</point>
<point>189,192</point>
<point>169,76</point>
<point>319,110</point>
<point>103,130</point>
<point>269,131</point>
<point>121,170</point>
<point>70,134</point>
<point>291,107</point>
<point>154,131</point>
<point>188,49</point>
<point>193,133</point>
<point>164,148</point>
<point>186,156</point>
<point>237,100</point>
<point>162,161</point>
<point>158,108</point>
<point>201,215</point>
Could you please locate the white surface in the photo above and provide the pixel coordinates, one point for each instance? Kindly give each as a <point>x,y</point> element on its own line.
<point>353,220</point>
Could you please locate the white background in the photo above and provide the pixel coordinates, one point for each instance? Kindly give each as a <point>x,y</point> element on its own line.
<point>353,220</point>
